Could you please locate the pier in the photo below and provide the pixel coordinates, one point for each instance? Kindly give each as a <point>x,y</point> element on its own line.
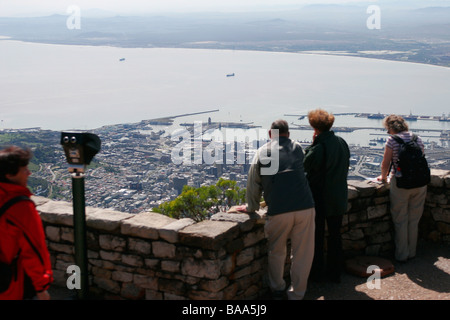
<point>169,120</point>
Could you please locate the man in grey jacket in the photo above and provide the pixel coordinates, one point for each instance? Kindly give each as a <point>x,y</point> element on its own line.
<point>290,212</point>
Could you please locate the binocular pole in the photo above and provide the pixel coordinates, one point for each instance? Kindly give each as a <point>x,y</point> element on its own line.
<point>80,148</point>
<point>79,224</point>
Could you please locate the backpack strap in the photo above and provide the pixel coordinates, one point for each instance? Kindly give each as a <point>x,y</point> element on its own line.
<point>12,202</point>
<point>400,142</point>
<point>398,139</point>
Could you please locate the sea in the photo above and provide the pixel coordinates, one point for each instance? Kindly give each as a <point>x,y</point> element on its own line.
<point>74,87</point>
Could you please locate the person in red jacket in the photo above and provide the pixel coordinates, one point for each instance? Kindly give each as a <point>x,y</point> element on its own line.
<point>21,230</point>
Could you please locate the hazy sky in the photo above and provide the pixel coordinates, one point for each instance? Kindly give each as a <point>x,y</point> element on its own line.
<point>45,7</point>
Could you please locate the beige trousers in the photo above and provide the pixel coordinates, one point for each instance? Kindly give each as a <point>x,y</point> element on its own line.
<point>406,210</point>
<point>298,226</point>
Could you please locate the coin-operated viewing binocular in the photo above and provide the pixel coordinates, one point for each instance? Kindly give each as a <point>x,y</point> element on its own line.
<point>79,148</point>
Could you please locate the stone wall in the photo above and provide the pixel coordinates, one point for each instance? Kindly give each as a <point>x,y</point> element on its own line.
<point>151,256</point>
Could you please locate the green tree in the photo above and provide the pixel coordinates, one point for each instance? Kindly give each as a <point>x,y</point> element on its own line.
<point>200,203</point>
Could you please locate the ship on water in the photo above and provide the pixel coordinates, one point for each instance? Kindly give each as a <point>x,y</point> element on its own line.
<point>411,117</point>
<point>376,116</point>
<point>444,117</point>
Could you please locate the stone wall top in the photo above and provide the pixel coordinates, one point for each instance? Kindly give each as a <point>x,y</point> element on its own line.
<point>212,233</point>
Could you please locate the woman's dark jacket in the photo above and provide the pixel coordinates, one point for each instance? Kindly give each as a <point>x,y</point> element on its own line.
<point>326,164</point>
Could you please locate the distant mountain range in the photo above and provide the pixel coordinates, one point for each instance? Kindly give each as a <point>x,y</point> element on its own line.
<point>420,35</point>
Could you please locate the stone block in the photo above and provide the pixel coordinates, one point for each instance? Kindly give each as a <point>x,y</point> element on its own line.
<point>356,217</point>
<point>62,265</point>
<point>105,219</point>
<point>67,234</point>
<point>381,189</point>
<point>56,212</point>
<point>110,256</point>
<point>365,188</point>
<point>239,273</point>
<point>139,246</point>
<point>132,292</point>
<point>234,245</point>
<point>107,284</point>
<point>373,250</point>
<point>380,238</point>
<point>447,181</point>
<point>145,282</point>
<point>377,211</point>
<point>209,234</point>
<point>132,260</point>
<point>170,231</point>
<point>245,221</point>
<point>112,243</point>
<point>359,204</point>
<point>153,295</point>
<point>163,249</point>
<point>245,256</point>
<point>254,237</point>
<point>101,273</point>
<point>145,225</point>
<point>381,200</point>
<point>437,178</point>
<point>352,193</point>
<point>151,263</point>
<point>205,295</point>
<point>439,199</point>
<point>208,269</point>
<point>58,247</point>
<point>353,234</point>
<point>122,276</point>
<point>353,245</point>
<point>170,266</point>
<point>39,201</point>
<point>53,233</point>
<point>442,215</point>
<point>378,227</point>
<point>214,285</point>
<point>172,286</point>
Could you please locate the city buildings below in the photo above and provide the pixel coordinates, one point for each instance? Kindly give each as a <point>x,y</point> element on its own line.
<point>135,170</point>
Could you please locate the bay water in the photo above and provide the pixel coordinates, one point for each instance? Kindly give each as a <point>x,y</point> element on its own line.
<point>64,87</point>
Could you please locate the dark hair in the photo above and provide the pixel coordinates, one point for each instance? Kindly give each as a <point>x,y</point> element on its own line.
<point>281,125</point>
<point>395,123</point>
<point>321,120</point>
<point>11,159</point>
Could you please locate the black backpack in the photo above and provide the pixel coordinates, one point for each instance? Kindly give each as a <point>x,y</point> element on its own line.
<point>412,166</point>
<point>9,271</point>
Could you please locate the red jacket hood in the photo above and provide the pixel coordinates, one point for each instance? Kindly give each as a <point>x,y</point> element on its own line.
<point>10,190</point>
